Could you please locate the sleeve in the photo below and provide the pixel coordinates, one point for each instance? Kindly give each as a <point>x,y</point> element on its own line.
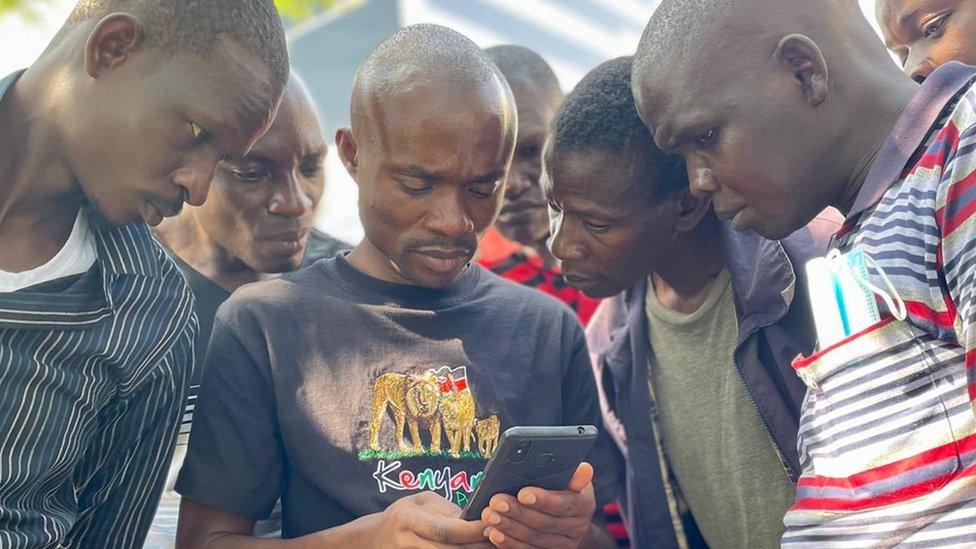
<point>122,473</point>
<point>235,459</point>
<point>956,217</point>
<point>581,407</point>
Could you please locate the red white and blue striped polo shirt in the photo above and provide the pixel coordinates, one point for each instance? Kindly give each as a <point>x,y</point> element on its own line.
<point>888,435</point>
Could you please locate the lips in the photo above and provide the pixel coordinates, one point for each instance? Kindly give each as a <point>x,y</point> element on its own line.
<point>288,243</point>
<point>444,261</point>
<point>577,280</point>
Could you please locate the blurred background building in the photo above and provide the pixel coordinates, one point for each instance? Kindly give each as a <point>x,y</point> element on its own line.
<point>330,38</point>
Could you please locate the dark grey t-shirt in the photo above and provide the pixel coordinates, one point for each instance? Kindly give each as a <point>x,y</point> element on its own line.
<point>318,385</point>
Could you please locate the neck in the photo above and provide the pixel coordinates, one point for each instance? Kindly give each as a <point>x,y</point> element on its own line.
<point>184,236</point>
<point>886,102</point>
<point>39,196</point>
<point>369,260</point>
<point>696,261</point>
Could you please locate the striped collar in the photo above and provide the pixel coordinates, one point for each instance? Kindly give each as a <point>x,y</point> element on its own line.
<point>911,131</point>
<point>128,251</point>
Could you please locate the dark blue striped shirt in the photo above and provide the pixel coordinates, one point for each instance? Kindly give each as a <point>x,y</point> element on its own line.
<point>92,382</point>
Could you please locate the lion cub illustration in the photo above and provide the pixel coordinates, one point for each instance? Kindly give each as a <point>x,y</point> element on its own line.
<point>414,399</point>
<point>487,432</point>
<point>457,412</point>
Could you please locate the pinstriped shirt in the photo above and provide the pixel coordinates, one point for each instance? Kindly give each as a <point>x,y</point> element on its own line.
<point>92,383</point>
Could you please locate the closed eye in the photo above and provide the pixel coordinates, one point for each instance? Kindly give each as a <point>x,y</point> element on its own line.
<point>596,228</point>
<point>934,27</point>
<point>414,189</point>
<point>251,176</point>
<point>484,190</point>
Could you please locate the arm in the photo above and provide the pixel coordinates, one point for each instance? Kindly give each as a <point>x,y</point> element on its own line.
<point>424,519</point>
<point>956,218</point>
<point>123,470</point>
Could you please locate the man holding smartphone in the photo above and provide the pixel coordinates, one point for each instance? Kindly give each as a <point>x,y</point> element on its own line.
<point>369,391</point>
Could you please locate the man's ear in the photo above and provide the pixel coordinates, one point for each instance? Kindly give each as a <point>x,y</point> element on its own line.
<point>691,210</point>
<point>111,42</point>
<point>801,56</point>
<point>348,151</point>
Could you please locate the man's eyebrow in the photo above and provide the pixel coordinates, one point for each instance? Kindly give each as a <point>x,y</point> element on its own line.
<point>490,177</point>
<point>419,172</point>
<point>317,151</point>
<point>909,18</point>
<point>598,211</point>
<point>255,158</point>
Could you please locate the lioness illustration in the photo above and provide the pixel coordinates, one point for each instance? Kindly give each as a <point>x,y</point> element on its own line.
<point>487,432</point>
<point>458,411</point>
<point>413,399</point>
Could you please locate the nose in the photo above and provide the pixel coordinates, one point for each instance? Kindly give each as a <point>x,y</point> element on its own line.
<point>702,180</point>
<point>289,199</point>
<point>563,245</point>
<point>195,178</point>
<point>518,183</point>
<point>918,65</point>
<point>449,218</point>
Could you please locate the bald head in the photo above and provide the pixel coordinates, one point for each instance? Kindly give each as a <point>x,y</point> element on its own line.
<point>432,62</point>
<point>684,35</point>
<point>773,103</point>
<point>523,67</point>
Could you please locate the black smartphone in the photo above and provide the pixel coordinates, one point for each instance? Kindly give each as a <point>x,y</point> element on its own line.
<point>545,457</point>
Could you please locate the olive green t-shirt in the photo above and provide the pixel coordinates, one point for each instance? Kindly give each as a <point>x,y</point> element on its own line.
<point>714,440</point>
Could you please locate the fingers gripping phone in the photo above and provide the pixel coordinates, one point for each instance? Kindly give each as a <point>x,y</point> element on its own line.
<point>545,457</point>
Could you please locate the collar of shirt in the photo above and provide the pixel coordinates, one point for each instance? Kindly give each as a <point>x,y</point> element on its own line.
<point>122,251</point>
<point>911,130</point>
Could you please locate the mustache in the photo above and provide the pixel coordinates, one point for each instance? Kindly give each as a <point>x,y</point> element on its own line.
<point>467,243</point>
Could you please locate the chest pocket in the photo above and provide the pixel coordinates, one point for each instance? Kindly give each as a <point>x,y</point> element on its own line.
<point>886,410</point>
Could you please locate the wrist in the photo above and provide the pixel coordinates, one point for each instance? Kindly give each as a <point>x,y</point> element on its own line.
<point>360,533</point>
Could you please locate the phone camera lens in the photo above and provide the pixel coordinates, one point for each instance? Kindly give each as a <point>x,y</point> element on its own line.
<point>521,451</point>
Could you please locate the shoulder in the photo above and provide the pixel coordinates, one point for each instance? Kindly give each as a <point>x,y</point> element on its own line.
<point>282,297</point>
<point>323,246</point>
<point>520,297</point>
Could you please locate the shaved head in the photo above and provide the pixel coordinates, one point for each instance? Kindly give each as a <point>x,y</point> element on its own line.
<point>524,67</point>
<point>431,143</point>
<point>699,32</point>
<point>777,105</point>
<point>422,59</point>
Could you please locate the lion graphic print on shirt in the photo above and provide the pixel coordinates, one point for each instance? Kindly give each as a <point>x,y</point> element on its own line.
<point>340,394</point>
<point>431,413</point>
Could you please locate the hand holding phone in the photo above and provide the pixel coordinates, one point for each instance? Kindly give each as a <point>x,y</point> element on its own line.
<point>544,518</point>
<point>544,457</point>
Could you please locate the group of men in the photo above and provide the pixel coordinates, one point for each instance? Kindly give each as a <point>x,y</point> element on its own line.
<point>351,395</point>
